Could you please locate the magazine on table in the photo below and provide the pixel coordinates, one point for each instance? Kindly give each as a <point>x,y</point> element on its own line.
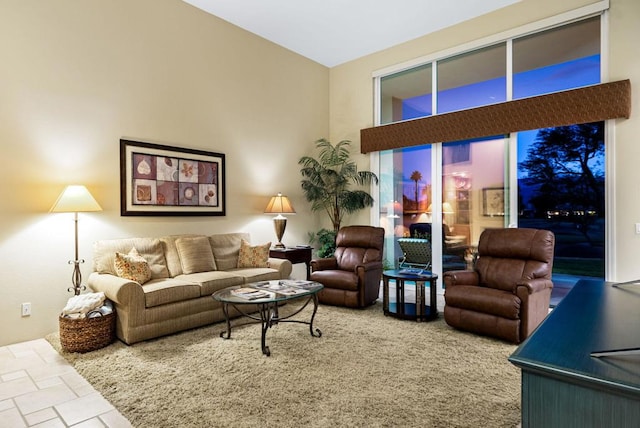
<point>299,283</point>
<point>270,286</point>
<point>280,287</point>
<point>250,293</point>
<point>292,291</point>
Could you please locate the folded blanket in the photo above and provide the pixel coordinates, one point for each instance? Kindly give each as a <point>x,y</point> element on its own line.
<point>81,304</point>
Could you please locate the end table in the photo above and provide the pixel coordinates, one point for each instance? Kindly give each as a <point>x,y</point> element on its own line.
<point>419,310</point>
<point>294,255</point>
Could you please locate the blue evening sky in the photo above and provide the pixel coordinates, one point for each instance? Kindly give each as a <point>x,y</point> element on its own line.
<point>572,74</point>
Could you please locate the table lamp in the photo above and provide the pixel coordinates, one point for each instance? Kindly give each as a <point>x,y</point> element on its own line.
<point>279,205</point>
<point>75,199</point>
<point>446,208</point>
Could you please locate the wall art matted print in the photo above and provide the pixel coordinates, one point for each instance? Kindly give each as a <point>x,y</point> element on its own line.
<point>159,180</point>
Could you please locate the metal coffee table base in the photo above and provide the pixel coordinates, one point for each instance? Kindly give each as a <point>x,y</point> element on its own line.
<point>269,316</point>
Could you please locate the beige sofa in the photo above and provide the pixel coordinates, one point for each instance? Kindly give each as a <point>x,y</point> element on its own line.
<point>183,276</point>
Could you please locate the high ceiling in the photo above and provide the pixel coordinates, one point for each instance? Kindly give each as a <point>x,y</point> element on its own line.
<point>332,32</point>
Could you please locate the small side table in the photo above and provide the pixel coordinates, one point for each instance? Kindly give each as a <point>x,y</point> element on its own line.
<point>415,311</point>
<point>294,255</point>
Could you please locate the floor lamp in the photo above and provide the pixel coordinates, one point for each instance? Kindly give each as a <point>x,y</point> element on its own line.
<point>279,205</point>
<point>75,199</point>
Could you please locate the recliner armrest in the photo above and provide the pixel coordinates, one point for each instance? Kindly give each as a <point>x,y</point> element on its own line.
<point>324,264</point>
<point>370,266</point>
<point>461,277</point>
<point>536,285</point>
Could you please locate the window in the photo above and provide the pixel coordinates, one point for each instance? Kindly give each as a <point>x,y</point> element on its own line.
<point>406,95</point>
<point>472,79</point>
<point>464,185</point>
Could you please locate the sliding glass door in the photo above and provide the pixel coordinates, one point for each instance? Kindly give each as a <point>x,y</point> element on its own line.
<point>547,178</point>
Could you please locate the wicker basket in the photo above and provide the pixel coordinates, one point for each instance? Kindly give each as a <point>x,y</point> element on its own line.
<point>87,334</point>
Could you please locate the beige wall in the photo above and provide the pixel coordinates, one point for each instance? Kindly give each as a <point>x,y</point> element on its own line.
<point>77,76</point>
<point>351,102</point>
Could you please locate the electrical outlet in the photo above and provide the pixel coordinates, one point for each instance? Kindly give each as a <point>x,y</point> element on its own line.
<point>26,309</point>
<point>638,228</point>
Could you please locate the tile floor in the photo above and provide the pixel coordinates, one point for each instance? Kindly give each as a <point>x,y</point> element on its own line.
<point>38,388</point>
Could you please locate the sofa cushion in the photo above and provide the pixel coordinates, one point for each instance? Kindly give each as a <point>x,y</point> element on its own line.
<point>104,254</point>
<point>257,274</point>
<point>195,254</point>
<point>132,266</point>
<point>212,281</point>
<point>226,247</point>
<point>169,290</point>
<point>171,253</point>
<point>256,256</point>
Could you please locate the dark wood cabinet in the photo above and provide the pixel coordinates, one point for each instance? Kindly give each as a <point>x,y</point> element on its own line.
<point>563,385</point>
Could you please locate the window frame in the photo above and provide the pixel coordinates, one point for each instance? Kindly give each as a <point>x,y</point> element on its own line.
<point>586,12</point>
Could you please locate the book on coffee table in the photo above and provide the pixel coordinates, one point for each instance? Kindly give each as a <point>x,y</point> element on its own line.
<point>250,293</point>
<point>269,286</point>
<point>300,283</point>
<point>292,291</point>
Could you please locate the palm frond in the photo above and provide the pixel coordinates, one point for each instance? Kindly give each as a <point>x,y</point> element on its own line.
<point>327,178</point>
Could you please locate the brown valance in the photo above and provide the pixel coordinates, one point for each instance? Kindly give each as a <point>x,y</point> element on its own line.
<point>583,105</point>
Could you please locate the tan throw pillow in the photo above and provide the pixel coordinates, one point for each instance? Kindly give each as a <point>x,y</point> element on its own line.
<point>195,254</point>
<point>132,266</point>
<point>253,257</point>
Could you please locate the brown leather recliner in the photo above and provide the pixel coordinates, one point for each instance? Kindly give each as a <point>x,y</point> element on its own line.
<point>352,276</point>
<point>507,294</point>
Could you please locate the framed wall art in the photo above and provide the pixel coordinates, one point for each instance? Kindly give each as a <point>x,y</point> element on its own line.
<point>159,180</point>
<point>493,201</point>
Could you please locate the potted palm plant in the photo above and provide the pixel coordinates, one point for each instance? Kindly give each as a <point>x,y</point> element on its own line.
<point>327,183</point>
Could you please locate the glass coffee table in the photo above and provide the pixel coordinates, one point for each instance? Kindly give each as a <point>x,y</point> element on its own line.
<point>267,297</point>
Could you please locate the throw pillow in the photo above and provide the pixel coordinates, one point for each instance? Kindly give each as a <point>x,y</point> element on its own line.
<point>253,256</point>
<point>195,254</point>
<point>132,266</point>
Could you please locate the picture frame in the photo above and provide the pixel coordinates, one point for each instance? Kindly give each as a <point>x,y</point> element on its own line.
<point>493,202</point>
<point>160,180</point>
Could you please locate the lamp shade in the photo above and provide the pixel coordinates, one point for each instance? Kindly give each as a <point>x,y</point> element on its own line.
<point>75,198</point>
<point>279,204</point>
<point>446,208</point>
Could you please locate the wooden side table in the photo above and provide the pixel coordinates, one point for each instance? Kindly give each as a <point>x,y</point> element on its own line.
<point>294,255</point>
<point>419,310</point>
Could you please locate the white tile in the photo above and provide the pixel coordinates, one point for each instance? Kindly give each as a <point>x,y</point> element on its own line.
<point>16,387</point>
<point>49,382</point>
<point>53,423</point>
<point>77,383</point>
<point>39,388</point>
<point>21,353</point>
<point>41,399</point>
<point>41,416</point>
<point>12,363</point>
<point>14,375</point>
<point>48,370</point>
<point>6,404</point>
<point>12,418</point>
<point>114,419</point>
<point>4,352</point>
<point>44,349</point>
<point>91,423</point>
<point>83,408</point>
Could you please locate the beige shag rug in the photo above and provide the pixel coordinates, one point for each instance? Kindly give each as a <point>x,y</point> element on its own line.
<point>367,370</point>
